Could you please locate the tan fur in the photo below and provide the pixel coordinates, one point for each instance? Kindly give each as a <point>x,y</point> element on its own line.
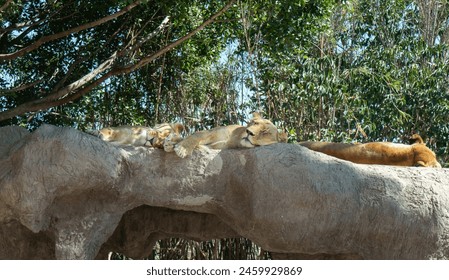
<point>170,142</point>
<point>378,153</point>
<point>258,132</point>
<point>140,135</point>
<point>161,132</point>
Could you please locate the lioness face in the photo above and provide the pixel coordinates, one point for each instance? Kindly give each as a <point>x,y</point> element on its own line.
<point>124,135</point>
<point>159,135</point>
<point>111,134</point>
<point>106,134</point>
<point>260,132</point>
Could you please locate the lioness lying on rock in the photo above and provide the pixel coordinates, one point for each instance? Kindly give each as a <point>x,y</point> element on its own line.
<point>385,153</point>
<point>140,135</point>
<point>258,132</point>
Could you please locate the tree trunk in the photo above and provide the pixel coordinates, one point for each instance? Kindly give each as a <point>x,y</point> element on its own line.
<point>65,194</point>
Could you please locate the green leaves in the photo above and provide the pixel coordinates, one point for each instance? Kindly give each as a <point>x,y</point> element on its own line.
<point>364,67</point>
<point>355,70</point>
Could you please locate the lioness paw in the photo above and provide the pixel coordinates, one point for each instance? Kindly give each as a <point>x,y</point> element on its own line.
<point>170,142</point>
<point>169,147</point>
<point>182,152</point>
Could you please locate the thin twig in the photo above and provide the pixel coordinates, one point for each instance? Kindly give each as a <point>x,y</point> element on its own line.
<point>46,39</point>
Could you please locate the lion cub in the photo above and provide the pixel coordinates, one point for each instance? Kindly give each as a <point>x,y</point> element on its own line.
<point>140,135</point>
<point>258,132</point>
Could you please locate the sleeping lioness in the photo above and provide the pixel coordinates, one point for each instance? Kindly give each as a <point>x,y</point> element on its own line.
<point>258,132</point>
<point>140,135</point>
<point>385,153</point>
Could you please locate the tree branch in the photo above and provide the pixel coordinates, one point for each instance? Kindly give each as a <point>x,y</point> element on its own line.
<point>34,21</point>
<point>162,26</point>
<point>76,89</point>
<point>85,84</point>
<point>4,6</point>
<point>178,42</point>
<point>60,97</point>
<point>53,37</point>
<point>31,26</point>
<point>20,87</point>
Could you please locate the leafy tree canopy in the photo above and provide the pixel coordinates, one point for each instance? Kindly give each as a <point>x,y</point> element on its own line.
<point>353,70</point>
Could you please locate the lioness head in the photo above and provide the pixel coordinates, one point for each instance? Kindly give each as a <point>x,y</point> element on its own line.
<point>107,134</point>
<point>111,134</point>
<point>260,132</point>
<point>158,134</point>
<point>171,140</point>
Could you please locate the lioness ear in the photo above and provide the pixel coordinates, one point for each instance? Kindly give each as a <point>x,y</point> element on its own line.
<point>106,131</point>
<point>283,137</point>
<point>256,115</point>
<point>178,128</point>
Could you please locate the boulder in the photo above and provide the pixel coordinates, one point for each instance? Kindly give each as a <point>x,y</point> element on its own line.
<point>65,194</point>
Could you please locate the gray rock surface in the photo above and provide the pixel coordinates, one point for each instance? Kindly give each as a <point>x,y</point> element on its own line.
<point>65,194</point>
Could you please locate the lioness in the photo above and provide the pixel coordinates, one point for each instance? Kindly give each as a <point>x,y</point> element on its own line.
<point>385,153</point>
<point>258,132</point>
<point>140,135</point>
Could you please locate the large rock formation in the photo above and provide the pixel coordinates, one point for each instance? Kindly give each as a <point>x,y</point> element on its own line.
<point>67,195</point>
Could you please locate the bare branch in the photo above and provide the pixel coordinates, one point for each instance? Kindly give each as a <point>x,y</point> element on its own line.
<point>80,60</point>
<point>31,25</point>
<point>36,20</point>
<point>73,87</point>
<point>133,47</point>
<point>20,87</point>
<point>2,8</point>
<point>173,45</point>
<point>53,37</point>
<point>87,88</point>
<point>85,84</point>
<point>61,96</point>
<point>162,26</point>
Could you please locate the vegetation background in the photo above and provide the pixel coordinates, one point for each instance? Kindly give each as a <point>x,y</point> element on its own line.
<point>344,71</point>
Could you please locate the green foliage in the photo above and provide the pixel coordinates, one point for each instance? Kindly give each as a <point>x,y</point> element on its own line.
<point>368,76</point>
<point>61,61</point>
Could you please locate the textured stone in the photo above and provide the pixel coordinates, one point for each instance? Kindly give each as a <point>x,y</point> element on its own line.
<point>67,195</point>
